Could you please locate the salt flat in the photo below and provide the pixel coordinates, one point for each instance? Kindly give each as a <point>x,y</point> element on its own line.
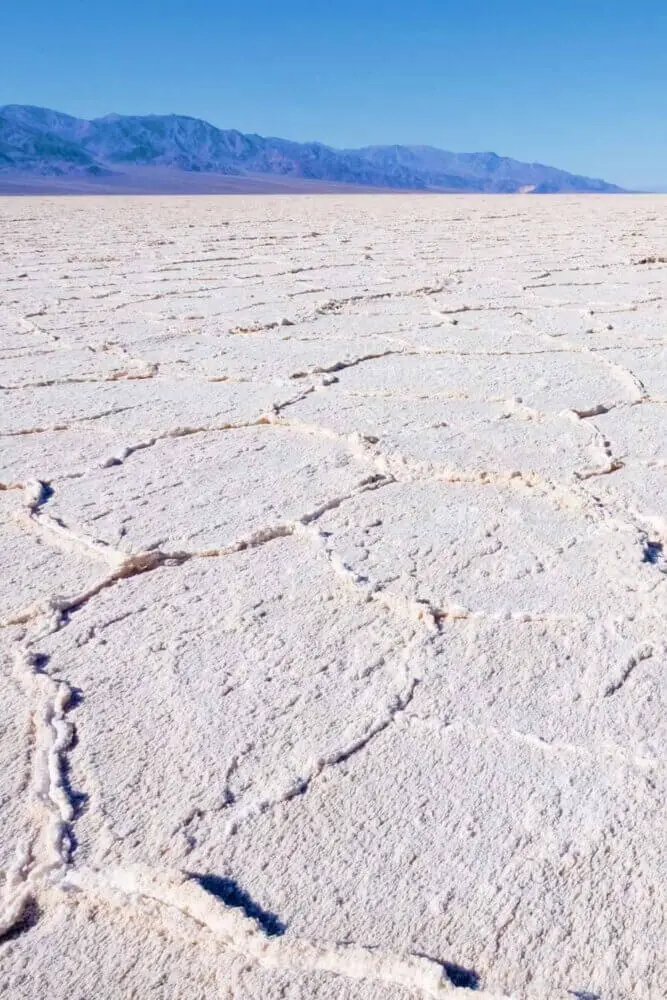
<point>333,597</point>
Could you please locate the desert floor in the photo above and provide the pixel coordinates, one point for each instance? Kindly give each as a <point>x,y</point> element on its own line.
<point>333,597</point>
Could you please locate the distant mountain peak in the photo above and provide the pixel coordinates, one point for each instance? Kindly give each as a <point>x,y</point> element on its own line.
<point>39,141</point>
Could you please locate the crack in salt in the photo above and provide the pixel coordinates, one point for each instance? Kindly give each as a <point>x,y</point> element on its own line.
<point>159,892</point>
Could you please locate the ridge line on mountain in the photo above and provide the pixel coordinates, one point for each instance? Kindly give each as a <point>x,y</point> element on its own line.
<point>115,149</point>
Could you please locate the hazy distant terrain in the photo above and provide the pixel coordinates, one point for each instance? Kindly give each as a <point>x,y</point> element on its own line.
<point>123,153</point>
<point>333,598</point>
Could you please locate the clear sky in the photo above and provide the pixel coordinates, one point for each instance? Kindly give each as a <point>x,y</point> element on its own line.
<point>580,84</point>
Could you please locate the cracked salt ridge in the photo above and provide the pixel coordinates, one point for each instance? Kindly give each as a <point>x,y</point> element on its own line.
<point>587,659</point>
<point>138,885</point>
<point>67,365</point>
<point>125,566</point>
<point>14,762</point>
<point>44,851</point>
<point>101,546</point>
<point>49,850</point>
<point>70,448</point>
<point>436,832</point>
<point>499,378</point>
<point>284,788</point>
<point>127,451</point>
<point>33,569</point>
<point>142,405</point>
<point>441,532</point>
<point>301,785</point>
<point>480,439</point>
<point>63,425</point>
<point>154,935</point>
<point>637,432</point>
<point>350,961</point>
<point>644,654</point>
<point>272,357</point>
<point>115,375</point>
<point>635,493</point>
<point>490,245</point>
<point>181,469</point>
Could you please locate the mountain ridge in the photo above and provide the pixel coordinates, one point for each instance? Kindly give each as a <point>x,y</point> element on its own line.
<point>114,149</point>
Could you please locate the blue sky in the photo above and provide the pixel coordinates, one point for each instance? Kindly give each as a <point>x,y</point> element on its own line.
<point>581,85</point>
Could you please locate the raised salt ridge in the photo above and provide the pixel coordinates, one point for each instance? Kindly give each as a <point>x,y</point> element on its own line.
<point>333,598</point>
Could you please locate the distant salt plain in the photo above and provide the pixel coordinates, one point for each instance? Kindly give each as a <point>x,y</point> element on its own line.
<point>333,597</point>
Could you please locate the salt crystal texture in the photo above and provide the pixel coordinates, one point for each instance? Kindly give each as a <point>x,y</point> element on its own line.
<point>333,598</point>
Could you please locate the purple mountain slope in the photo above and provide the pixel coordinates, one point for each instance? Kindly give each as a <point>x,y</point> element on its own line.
<point>42,149</point>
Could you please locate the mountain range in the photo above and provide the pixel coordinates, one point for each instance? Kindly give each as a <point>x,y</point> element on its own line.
<point>44,150</point>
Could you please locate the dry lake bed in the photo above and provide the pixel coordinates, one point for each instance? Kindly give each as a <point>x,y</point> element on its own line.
<point>333,597</point>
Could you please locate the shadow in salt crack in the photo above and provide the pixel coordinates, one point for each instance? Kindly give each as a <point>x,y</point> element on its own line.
<point>77,799</point>
<point>653,552</point>
<point>231,894</point>
<point>27,921</point>
<point>584,995</point>
<point>458,975</point>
